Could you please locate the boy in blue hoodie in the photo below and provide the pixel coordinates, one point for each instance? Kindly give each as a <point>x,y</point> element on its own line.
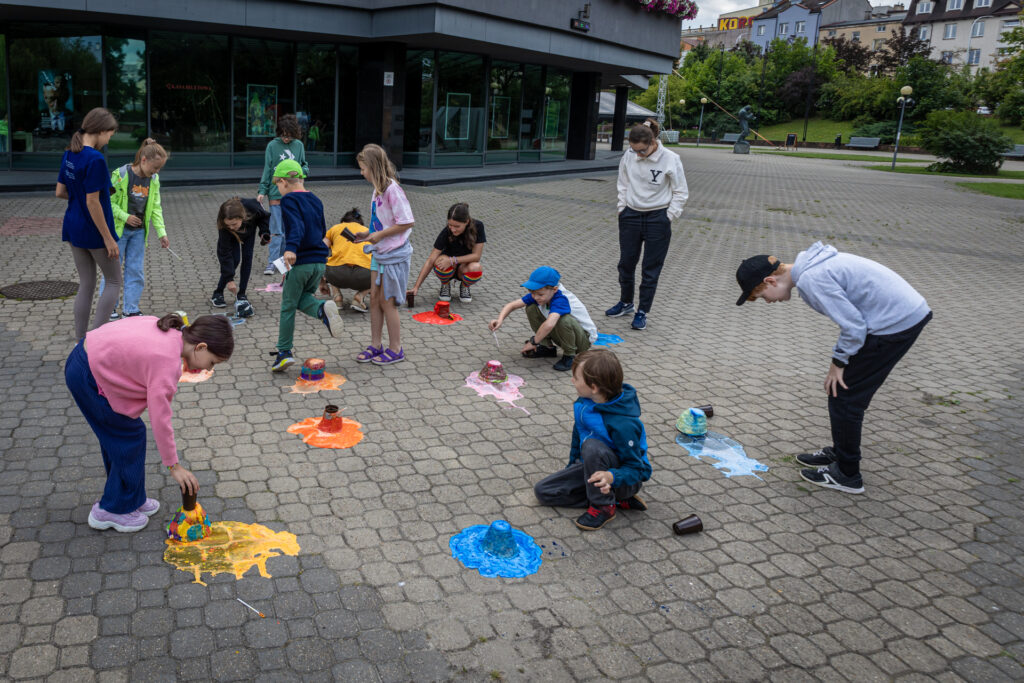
<point>302,216</point>
<point>879,316</point>
<point>608,456</point>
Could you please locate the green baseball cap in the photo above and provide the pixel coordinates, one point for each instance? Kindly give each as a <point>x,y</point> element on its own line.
<point>289,168</point>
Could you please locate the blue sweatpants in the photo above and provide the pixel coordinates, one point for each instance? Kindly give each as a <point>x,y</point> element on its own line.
<point>122,438</point>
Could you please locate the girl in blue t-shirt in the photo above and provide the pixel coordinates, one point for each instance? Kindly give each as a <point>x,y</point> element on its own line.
<point>89,220</point>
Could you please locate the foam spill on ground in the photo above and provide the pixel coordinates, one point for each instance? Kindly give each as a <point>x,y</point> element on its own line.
<point>231,548</point>
<point>506,392</point>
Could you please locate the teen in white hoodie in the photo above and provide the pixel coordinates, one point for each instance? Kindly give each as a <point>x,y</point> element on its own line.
<point>652,192</point>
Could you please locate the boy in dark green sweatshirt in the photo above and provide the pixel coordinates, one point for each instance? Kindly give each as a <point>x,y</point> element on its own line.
<point>286,146</point>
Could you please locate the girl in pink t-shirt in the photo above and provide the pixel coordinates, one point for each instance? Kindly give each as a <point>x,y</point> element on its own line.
<point>121,370</point>
<point>391,222</point>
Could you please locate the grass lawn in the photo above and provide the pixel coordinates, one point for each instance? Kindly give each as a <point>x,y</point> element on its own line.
<point>1011,190</point>
<point>838,156</point>
<point>921,170</point>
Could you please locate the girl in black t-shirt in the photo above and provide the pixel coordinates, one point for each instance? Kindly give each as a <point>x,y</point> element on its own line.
<point>456,254</point>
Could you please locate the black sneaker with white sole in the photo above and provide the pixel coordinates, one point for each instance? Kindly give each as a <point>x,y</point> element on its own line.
<point>465,296</point>
<point>446,292</point>
<point>831,477</point>
<point>217,301</point>
<point>819,458</point>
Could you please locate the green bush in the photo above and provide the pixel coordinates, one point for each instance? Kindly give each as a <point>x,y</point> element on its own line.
<point>886,130</point>
<point>970,143</point>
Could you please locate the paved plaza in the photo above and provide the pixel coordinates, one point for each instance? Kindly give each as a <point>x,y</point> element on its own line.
<point>917,579</point>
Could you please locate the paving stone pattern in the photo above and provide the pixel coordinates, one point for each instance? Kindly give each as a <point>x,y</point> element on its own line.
<point>919,578</point>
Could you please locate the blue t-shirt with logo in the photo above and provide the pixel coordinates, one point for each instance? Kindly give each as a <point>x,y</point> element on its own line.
<point>83,173</point>
<point>559,303</point>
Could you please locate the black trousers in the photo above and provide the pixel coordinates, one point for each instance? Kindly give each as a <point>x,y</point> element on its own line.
<point>864,374</point>
<point>569,487</point>
<point>240,254</point>
<point>652,232</point>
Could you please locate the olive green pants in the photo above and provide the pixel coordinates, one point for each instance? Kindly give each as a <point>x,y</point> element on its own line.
<point>568,334</point>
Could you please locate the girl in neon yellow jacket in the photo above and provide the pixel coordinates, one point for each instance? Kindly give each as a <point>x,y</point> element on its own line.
<point>136,207</point>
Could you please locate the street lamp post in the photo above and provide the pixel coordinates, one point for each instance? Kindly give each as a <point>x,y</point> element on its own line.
<point>682,115</point>
<point>700,125</point>
<point>970,37</point>
<point>903,100</point>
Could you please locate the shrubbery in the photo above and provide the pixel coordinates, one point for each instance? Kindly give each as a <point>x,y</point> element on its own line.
<point>886,130</point>
<point>969,142</point>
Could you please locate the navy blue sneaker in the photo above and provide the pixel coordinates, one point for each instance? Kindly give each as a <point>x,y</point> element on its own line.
<point>284,359</point>
<point>330,317</point>
<point>831,477</point>
<point>619,309</point>
<point>639,321</point>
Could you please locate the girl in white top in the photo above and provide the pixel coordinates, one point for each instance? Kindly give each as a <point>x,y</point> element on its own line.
<point>652,191</point>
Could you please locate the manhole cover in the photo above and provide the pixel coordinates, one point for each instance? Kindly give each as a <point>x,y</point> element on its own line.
<point>40,289</point>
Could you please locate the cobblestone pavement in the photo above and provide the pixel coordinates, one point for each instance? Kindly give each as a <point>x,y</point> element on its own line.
<point>919,578</point>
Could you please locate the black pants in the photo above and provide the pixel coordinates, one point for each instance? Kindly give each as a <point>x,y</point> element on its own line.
<point>651,231</point>
<point>864,374</point>
<point>240,254</point>
<point>569,488</point>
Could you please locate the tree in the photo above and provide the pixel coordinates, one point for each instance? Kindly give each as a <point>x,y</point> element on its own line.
<point>853,56</point>
<point>1008,80</point>
<point>899,49</point>
<point>748,49</point>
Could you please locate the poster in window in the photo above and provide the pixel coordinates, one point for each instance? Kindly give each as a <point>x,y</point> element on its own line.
<point>456,116</point>
<point>56,100</point>
<point>261,111</point>
<point>551,119</point>
<point>500,114</point>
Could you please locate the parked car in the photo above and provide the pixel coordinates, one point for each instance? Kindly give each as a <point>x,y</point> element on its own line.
<point>984,111</point>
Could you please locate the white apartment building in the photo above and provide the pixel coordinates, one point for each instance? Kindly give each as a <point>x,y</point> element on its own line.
<point>963,31</point>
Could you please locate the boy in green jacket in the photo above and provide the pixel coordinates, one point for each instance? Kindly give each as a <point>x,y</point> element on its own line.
<point>286,145</point>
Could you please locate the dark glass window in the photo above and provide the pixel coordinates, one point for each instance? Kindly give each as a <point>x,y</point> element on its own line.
<point>556,114</point>
<point>190,83</point>
<point>125,63</point>
<point>56,78</point>
<point>504,116</point>
<point>458,124</point>
<point>264,91</point>
<point>315,87</point>
<point>532,120</point>
<point>419,106</point>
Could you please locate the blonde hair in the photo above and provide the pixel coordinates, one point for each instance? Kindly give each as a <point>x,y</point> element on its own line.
<point>378,167</point>
<point>98,120</point>
<point>150,149</point>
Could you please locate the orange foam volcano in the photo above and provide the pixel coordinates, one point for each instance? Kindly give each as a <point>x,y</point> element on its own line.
<point>346,436</point>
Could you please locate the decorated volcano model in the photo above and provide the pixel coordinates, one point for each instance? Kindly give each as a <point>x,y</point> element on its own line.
<point>496,550</point>
<point>312,370</point>
<point>493,372</point>
<point>190,522</point>
<point>442,309</point>
<point>331,422</point>
<point>693,422</point>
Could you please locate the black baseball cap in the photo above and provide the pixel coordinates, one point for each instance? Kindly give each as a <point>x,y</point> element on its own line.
<point>752,273</point>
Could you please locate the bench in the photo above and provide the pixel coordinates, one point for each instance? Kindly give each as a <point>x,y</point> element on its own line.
<point>731,137</point>
<point>864,143</point>
<point>1016,153</point>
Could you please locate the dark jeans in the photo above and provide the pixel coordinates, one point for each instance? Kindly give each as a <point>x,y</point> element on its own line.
<point>348,277</point>
<point>864,374</point>
<point>240,254</point>
<point>568,488</point>
<point>652,232</point>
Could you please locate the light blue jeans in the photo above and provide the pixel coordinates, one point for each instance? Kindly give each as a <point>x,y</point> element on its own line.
<point>276,248</point>
<point>132,246</point>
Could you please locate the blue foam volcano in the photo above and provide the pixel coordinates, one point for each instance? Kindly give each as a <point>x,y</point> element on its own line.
<point>496,550</point>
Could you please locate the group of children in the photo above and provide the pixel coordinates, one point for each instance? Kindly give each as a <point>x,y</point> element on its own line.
<point>117,371</point>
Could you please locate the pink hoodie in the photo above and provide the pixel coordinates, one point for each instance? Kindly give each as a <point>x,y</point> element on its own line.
<point>137,366</point>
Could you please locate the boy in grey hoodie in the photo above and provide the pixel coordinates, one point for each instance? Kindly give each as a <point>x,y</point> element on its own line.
<point>879,317</point>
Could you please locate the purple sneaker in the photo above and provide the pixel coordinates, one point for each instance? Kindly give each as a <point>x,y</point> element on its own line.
<point>150,507</point>
<point>389,357</point>
<point>101,519</point>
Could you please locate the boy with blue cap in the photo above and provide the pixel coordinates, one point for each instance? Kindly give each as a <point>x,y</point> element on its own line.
<point>556,316</point>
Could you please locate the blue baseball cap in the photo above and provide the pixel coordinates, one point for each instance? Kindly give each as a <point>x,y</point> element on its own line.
<point>545,276</point>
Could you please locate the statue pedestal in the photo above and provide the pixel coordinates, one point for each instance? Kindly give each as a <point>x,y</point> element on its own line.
<point>741,147</point>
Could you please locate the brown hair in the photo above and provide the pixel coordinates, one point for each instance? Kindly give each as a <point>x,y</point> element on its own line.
<point>98,120</point>
<point>460,213</point>
<point>150,149</point>
<point>600,367</point>
<point>289,125</point>
<point>780,268</point>
<point>213,330</point>
<point>379,167</point>
<point>645,132</point>
<point>232,208</point>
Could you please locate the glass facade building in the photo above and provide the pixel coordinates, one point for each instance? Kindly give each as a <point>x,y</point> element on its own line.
<point>213,99</point>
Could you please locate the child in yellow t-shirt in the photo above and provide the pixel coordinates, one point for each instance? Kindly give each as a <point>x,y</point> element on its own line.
<point>348,267</point>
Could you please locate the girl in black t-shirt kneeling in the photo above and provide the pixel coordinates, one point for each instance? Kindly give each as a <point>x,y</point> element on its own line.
<point>456,255</point>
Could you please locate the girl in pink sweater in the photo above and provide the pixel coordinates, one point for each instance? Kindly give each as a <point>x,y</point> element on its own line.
<point>122,369</point>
